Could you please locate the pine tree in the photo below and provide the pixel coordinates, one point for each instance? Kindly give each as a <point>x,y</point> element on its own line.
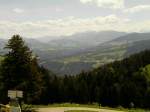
<point>19,70</point>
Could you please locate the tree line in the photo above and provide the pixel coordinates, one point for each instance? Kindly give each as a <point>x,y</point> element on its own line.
<point>120,83</point>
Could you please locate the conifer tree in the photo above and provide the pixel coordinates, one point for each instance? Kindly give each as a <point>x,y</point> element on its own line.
<point>20,71</point>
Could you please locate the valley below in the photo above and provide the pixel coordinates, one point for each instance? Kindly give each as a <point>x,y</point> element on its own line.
<point>85,51</point>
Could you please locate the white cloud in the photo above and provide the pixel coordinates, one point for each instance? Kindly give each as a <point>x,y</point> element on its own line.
<point>138,8</point>
<point>86,1</point>
<point>18,10</point>
<point>71,25</point>
<point>113,4</point>
<point>57,9</point>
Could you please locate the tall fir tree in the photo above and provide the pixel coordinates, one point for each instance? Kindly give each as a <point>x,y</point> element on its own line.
<point>20,71</point>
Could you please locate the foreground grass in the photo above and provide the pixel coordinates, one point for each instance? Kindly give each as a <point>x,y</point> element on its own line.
<point>89,106</point>
<point>80,111</point>
<point>95,105</point>
<point>138,110</point>
<point>70,105</point>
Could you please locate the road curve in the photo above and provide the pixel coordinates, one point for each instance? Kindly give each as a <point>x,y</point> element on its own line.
<point>63,109</point>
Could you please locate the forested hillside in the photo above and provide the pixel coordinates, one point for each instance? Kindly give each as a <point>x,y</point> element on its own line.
<point>120,83</point>
<point>124,83</point>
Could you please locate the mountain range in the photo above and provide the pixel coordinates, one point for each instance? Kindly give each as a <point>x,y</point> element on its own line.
<point>84,51</point>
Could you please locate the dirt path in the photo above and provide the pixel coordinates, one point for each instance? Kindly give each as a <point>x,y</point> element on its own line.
<point>62,109</point>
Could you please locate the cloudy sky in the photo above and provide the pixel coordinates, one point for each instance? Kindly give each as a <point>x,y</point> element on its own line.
<point>38,18</point>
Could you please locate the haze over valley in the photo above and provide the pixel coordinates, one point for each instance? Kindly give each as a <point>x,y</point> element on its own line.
<point>85,51</point>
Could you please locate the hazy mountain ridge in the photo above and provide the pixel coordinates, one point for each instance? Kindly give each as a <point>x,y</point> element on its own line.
<point>71,56</point>
<point>115,49</point>
<point>85,38</point>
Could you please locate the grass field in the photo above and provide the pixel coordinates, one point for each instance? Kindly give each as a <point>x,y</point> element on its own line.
<point>138,110</point>
<point>71,105</point>
<point>80,111</point>
<point>90,106</point>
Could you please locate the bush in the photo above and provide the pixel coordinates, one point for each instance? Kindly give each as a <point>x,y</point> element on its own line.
<point>28,108</point>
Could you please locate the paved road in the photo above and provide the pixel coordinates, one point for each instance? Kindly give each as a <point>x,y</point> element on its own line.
<point>62,109</point>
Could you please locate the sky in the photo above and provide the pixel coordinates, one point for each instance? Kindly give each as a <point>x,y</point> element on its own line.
<point>40,18</point>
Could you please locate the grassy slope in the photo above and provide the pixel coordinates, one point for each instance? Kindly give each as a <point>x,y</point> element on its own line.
<point>93,58</point>
<point>97,56</point>
<point>91,106</point>
<point>80,111</point>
